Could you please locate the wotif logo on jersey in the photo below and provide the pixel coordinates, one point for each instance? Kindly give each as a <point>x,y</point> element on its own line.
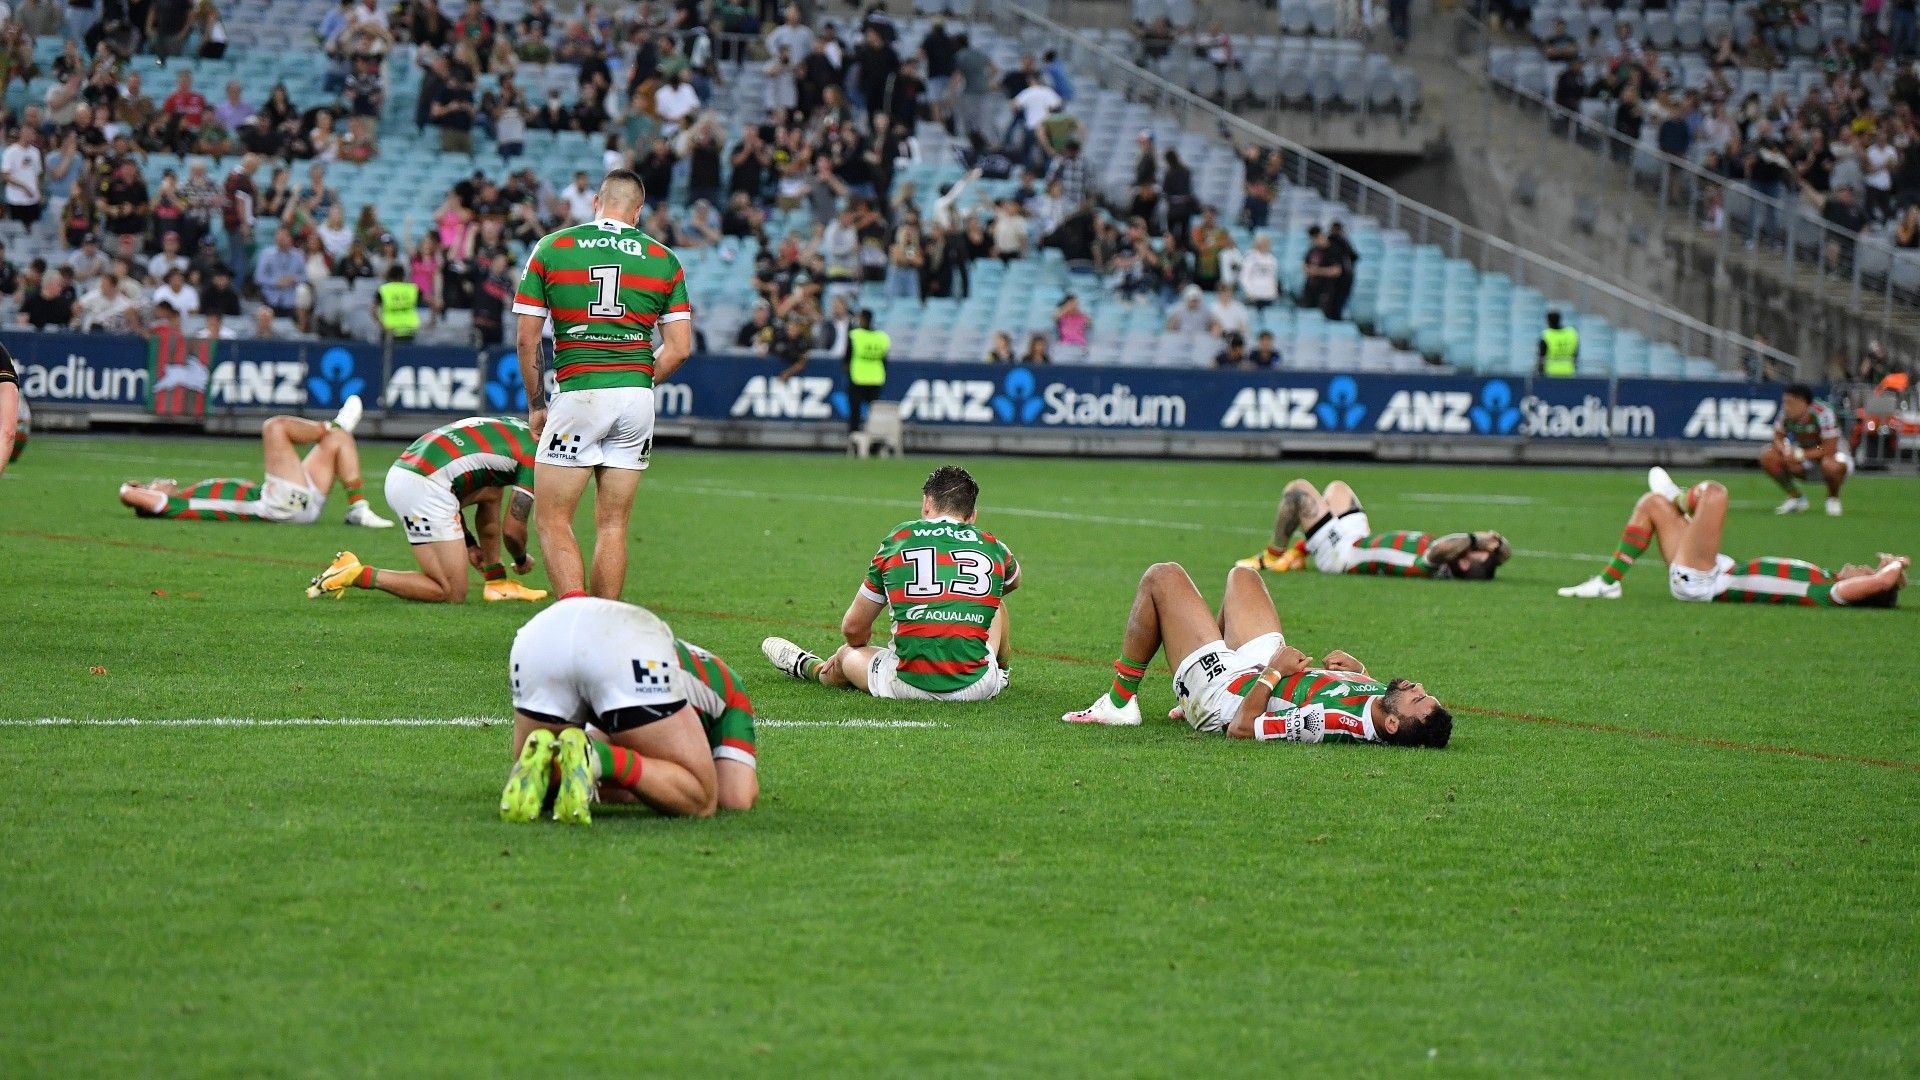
<point>334,381</point>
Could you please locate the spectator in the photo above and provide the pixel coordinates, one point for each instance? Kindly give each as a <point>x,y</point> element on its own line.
<point>1265,354</point>
<point>175,291</point>
<point>758,333</point>
<point>279,271</point>
<point>1037,352</point>
<point>125,201</point>
<point>87,263</point>
<point>168,259</point>
<point>109,308</point>
<point>51,307</point>
<point>793,37</point>
<point>1071,324</point>
<point>1347,259</point>
<point>1070,171</point>
<point>1190,315</point>
<point>21,165</point>
<point>1260,274</point>
<point>1234,354</point>
<point>1010,232</point>
<point>1227,316</point>
<point>977,108</point>
<point>1000,349</point>
<point>1032,106</point>
<point>1176,186</point>
<point>906,260</point>
<point>452,112</point>
<point>1320,267</point>
<point>676,102</point>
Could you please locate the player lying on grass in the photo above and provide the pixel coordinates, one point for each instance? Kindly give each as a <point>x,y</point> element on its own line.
<point>1239,676</point>
<point>943,580</point>
<point>584,661</point>
<point>1687,525</point>
<point>1806,445</point>
<point>469,462</point>
<point>295,489</point>
<point>1340,540</point>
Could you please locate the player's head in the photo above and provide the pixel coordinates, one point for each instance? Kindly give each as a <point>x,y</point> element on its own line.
<point>1795,400</point>
<point>1406,715</point>
<point>949,492</point>
<point>622,196</point>
<point>1893,574</point>
<point>1489,552</point>
<point>396,272</point>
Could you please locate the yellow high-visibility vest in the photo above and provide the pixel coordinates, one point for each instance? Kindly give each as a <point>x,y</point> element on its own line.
<point>867,357</point>
<point>1562,346</point>
<point>400,308</point>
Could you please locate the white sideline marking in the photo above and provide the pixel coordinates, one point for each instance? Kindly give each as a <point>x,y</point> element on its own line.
<point>1470,500</point>
<point>400,722</point>
<point>1578,556</point>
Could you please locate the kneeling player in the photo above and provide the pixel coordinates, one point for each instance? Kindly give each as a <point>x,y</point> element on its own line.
<point>1340,540</point>
<point>942,578</point>
<point>1688,524</point>
<point>295,489</point>
<point>725,711</point>
<point>1239,676</point>
<point>616,666</point>
<point>469,462</point>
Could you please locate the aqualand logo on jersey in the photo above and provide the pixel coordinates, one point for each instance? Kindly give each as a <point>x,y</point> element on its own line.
<point>925,613</point>
<point>332,380</point>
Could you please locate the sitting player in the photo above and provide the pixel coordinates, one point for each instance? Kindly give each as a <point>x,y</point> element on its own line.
<point>1687,525</point>
<point>1806,445</point>
<point>943,580</point>
<point>1239,676</point>
<point>587,660</point>
<point>469,462</point>
<point>295,489</point>
<point>725,711</point>
<point>1340,540</point>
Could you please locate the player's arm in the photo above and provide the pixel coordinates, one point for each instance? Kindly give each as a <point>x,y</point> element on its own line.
<point>676,330</point>
<point>1338,660</point>
<point>1287,662</point>
<point>857,624</point>
<point>486,527</point>
<point>1011,579</point>
<point>530,303</point>
<point>513,533</point>
<point>1825,450</point>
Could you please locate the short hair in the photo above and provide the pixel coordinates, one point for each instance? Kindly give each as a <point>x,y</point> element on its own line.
<point>1553,319</point>
<point>396,272</point>
<point>952,488</point>
<point>614,188</point>
<point>866,318</point>
<point>1434,731</point>
<point>1801,391</point>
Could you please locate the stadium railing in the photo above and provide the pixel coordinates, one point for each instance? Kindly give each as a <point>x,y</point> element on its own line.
<point>1364,195</point>
<point>1882,283</point>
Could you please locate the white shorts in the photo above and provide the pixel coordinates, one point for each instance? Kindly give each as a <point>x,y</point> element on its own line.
<point>290,503</point>
<point>1202,680</point>
<point>1332,544</point>
<point>883,681</point>
<point>1811,469</point>
<point>585,658</point>
<point>1700,586</point>
<point>612,426</point>
<point>427,509</point>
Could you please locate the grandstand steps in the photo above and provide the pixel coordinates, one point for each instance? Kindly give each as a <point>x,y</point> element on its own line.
<point>1347,135</point>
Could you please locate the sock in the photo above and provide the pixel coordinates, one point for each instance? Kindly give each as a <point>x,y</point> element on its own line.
<point>354,494</point>
<point>1275,553</point>
<point>1126,681</point>
<point>1633,542</point>
<point>618,764</point>
<point>571,593</point>
<point>1790,486</point>
<point>810,671</point>
<point>367,577</point>
<point>494,571</point>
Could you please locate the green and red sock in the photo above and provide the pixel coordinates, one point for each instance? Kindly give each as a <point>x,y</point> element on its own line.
<point>494,571</point>
<point>1633,542</point>
<point>618,764</point>
<point>354,494</point>
<point>368,575</point>
<point>1126,681</point>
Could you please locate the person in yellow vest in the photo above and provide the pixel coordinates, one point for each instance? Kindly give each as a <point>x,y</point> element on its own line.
<point>866,368</point>
<point>397,305</point>
<point>1559,349</point>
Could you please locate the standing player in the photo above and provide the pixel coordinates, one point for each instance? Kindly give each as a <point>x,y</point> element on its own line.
<point>482,462</point>
<point>606,285</point>
<point>617,667</point>
<point>943,580</point>
<point>1687,525</point>
<point>1237,675</point>
<point>1340,540</point>
<point>725,711</point>
<point>1806,444</point>
<point>295,488</point>
<point>13,412</point>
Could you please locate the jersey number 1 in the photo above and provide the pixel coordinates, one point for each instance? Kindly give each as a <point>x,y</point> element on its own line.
<point>607,304</point>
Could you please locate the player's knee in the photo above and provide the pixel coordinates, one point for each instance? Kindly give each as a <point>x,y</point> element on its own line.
<point>1297,484</point>
<point>452,592</point>
<point>1709,492</point>
<point>1770,459</point>
<point>738,796</point>
<point>1162,571</point>
<point>1245,575</point>
<point>1834,468</point>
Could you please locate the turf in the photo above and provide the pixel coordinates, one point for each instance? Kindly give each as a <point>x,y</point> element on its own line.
<point>1668,839</point>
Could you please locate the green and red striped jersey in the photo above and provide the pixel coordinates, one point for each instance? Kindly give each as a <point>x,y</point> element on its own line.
<point>1347,697</point>
<point>714,692</point>
<point>475,453</point>
<point>219,499</point>
<point>1779,581</point>
<point>605,284</point>
<point>942,581</point>
<point>1394,554</point>
<point>1819,425</point>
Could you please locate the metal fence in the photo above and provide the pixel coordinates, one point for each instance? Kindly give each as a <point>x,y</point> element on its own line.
<point>1782,238</point>
<point>1590,295</point>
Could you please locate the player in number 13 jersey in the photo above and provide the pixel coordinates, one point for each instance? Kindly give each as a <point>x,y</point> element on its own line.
<point>943,579</point>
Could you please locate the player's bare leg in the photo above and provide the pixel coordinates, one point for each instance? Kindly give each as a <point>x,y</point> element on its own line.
<point>850,668</point>
<point>334,455</point>
<point>1300,505</point>
<point>1168,611</point>
<point>739,785</point>
<point>1782,468</point>
<point>1247,611</point>
<point>147,498</point>
<point>560,488</point>
<point>1697,547</point>
<point>1339,499</point>
<point>1658,515</point>
<point>612,511</point>
<point>998,642</point>
<point>441,579</point>
<point>1834,471</point>
<point>667,765</point>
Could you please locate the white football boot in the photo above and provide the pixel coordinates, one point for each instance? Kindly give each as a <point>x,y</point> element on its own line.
<point>362,514</point>
<point>1103,711</point>
<point>1594,588</point>
<point>791,659</point>
<point>1795,505</point>
<point>348,417</point>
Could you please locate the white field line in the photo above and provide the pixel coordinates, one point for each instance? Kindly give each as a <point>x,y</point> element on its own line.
<point>399,722</point>
<point>1468,500</point>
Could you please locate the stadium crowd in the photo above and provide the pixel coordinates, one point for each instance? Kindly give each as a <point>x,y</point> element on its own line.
<point>840,108</point>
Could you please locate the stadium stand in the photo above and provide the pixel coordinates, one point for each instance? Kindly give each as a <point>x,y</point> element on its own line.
<point>1413,306</point>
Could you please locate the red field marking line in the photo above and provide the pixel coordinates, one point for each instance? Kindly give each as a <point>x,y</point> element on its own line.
<point>1690,740</point>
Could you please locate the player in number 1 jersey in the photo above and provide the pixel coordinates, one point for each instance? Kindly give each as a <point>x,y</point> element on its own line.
<point>944,580</point>
<point>607,287</point>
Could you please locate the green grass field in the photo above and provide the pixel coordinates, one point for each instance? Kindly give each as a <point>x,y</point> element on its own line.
<point>1668,839</point>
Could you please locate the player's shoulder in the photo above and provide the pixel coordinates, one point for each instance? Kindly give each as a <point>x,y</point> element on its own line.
<point>903,531</point>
